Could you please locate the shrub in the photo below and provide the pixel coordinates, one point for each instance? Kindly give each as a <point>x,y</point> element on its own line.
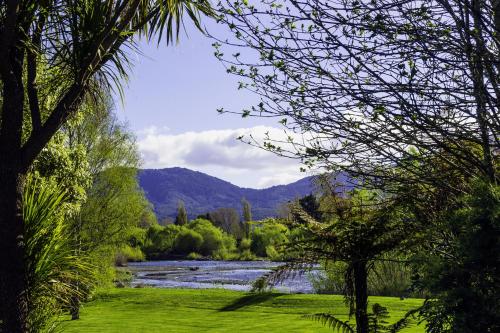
<point>128,253</point>
<point>330,279</point>
<point>221,254</point>
<point>193,256</point>
<point>160,240</point>
<point>273,254</point>
<point>389,279</point>
<point>188,241</point>
<point>228,242</point>
<point>245,244</point>
<point>247,255</point>
<point>270,233</point>
<point>386,279</point>
<point>213,238</point>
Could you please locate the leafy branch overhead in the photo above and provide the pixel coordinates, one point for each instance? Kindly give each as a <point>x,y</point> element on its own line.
<point>373,83</point>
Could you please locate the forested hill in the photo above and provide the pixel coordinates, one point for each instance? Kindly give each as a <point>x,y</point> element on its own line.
<point>202,193</point>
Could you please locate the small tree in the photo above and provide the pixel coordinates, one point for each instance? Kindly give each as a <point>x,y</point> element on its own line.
<point>356,230</point>
<point>181,218</point>
<point>247,216</point>
<point>247,210</point>
<point>228,220</point>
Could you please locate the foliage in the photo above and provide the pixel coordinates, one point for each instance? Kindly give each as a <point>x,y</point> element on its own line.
<point>330,279</point>
<point>228,220</point>
<point>391,277</point>
<point>181,218</point>
<point>356,229</point>
<point>323,69</point>
<point>463,277</point>
<point>68,167</point>
<point>160,240</point>
<point>266,236</point>
<point>128,253</point>
<point>212,236</point>
<point>193,256</point>
<point>188,241</point>
<point>247,211</point>
<point>51,264</point>
<point>55,55</point>
<point>386,278</point>
<point>377,321</point>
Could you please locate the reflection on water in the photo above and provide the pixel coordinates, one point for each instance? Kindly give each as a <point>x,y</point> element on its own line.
<point>234,275</point>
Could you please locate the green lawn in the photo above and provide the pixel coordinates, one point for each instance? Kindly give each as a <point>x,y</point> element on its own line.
<point>213,310</point>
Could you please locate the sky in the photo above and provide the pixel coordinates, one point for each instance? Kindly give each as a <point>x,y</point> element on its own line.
<point>170,102</point>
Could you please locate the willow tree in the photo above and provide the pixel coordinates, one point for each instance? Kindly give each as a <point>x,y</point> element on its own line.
<point>366,81</point>
<point>72,47</point>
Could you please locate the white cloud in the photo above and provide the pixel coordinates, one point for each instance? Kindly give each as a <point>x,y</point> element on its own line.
<point>220,154</point>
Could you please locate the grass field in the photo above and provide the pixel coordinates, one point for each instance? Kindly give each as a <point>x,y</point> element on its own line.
<point>151,310</point>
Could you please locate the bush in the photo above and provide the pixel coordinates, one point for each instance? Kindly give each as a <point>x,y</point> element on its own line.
<point>390,279</point>
<point>247,255</point>
<point>270,233</point>
<point>273,254</point>
<point>212,236</point>
<point>188,241</point>
<point>245,244</point>
<point>222,254</point>
<point>193,256</point>
<point>160,240</point>
<point>128,253</point>
<point>385,279</point>
<point>330,279</point>
<point>228,242</point>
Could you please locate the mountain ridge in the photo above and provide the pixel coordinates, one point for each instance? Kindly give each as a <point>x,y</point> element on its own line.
<point>202,193</point>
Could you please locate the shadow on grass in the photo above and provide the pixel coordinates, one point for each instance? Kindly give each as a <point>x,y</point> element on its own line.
<point>248,300</point>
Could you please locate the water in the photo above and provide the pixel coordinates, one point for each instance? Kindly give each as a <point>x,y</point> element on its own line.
<point>233,275</point>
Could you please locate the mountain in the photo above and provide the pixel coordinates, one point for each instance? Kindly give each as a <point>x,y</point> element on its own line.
<point>202,193</point>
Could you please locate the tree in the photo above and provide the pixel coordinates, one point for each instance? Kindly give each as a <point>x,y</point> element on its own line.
<point>95,158</point>
<point>366,81</point>
<point>181,218</point>
<point>247,210</point>
<point>466,278</point>
<point>379,89</point>
<point>355,230</point>
<point>228,220</point>
<point>69,48</point>
<point>267,236</point>
<point>247,216</point>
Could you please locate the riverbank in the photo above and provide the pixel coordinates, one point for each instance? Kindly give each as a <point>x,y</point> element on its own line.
<point>195,274</point>
<point>215,311</point>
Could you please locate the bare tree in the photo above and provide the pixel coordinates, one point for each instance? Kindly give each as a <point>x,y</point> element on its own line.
<point>373,85</point>
<point>228,220</point>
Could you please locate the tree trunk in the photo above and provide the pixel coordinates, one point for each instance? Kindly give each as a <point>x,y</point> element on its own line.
<point>13,284</point>
<point>13,294</point>
<point>361,296</point>
<point>75,308</point>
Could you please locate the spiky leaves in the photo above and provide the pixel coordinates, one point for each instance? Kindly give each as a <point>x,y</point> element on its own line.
<point>332,322</point>
<point>51,265</point>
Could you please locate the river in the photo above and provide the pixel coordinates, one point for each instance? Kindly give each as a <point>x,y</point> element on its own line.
<point>233,275</point>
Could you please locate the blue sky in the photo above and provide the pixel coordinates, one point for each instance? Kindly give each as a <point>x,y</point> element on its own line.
<point>170,103</point>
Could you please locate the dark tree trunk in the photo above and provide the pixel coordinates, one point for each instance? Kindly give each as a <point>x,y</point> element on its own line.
<point>13,284</point>
<point>75,308</point>
<point>361,296</point>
